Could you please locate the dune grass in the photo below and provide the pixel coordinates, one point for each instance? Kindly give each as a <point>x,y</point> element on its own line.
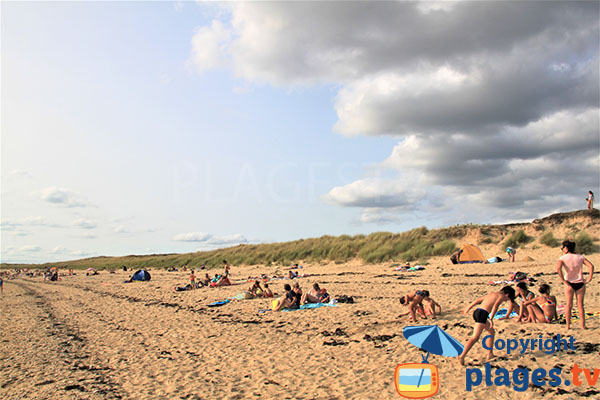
<point>549,240</point>
<point>517,238</point>
<point>415,245</point>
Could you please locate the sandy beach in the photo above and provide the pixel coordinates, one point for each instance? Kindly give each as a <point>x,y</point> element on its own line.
<point>95,337</point>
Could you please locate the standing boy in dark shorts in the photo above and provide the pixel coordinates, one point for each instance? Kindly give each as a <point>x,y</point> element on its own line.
<point>484,317</point>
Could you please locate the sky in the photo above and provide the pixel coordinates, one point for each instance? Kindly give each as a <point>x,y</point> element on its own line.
<point>171,127</point>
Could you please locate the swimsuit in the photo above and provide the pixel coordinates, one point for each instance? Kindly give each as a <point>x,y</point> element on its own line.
<point>576,285</point>
<point>420,293</point>
<point>480,315</point>
<point>548,302</point>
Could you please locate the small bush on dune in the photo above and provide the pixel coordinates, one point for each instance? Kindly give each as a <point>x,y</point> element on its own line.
<point>549,240</point>
<point>585,244</point>
<point>517,238</point>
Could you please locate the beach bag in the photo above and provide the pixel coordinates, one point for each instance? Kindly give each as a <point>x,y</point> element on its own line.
<point>345,299</point>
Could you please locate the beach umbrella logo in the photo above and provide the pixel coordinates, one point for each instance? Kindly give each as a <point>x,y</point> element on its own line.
<point>421,380</point>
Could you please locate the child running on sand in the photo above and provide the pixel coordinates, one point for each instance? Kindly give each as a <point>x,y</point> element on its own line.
<point>414,303</point>
<point>547,302</point>
<point>484,318</point>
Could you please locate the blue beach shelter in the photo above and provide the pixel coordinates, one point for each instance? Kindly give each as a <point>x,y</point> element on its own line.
<point>141,275</point>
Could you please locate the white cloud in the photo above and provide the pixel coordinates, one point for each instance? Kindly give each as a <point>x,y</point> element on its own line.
<point>227,240</point>
<point>380,216</point>
<point>22,226</point>
<point>192,237</point>
<point>84,223</point>
<point>63,197</point>
<point>375,193</point>
<point>210,240</point>
<point>30,249</point>
<point>21,173</point>
<point>82,253</point>
<point>210,46</point>
<point>59,250</point>
<point>121,229</point>
<point>7,225</point>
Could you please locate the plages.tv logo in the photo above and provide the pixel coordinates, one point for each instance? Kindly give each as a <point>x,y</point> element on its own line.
<point>417,381</point>
<point>422,380</point>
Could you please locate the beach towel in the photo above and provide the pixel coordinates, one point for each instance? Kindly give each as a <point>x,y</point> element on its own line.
<point>505,282</point>
<point>561,310</point>
<point>310,306</point>
<point>219,303</point>
<point>410,269</point>
<point>501,313</point>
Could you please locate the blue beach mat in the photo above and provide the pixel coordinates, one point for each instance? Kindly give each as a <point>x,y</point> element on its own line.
<point>219,303</point>
<point>501,313</point>
<point>311,306</point>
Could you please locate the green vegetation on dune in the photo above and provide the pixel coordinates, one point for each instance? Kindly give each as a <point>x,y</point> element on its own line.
<point>585,244</point>
<point>416,245</point>
<point>517,238</point>
<point>549,240</point>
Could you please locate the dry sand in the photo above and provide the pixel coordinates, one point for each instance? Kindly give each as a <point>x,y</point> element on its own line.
<point>99,338</point>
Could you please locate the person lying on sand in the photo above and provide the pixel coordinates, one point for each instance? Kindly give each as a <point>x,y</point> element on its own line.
<point>546,302</point>
<point>534,312</point>
<point>484,318</point>
<point>315,295</point>
<point>289,300</point>
<point>414,302</point>
<point>220,280</point>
